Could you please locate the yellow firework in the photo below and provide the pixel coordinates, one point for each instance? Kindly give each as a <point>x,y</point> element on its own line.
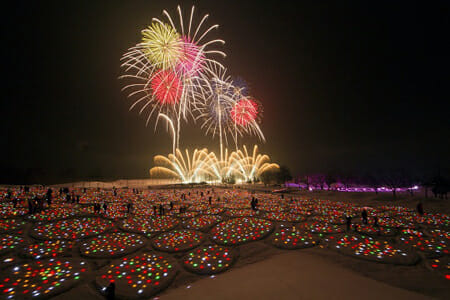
<point>162,45</point>
<point>250,167</point>
<point>202,166</point>
<point>205,166</point>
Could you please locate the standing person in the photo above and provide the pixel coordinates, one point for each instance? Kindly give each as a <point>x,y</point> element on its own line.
<point>209,200</point>
<point>154,210</point>
<point>128,207</point>
<point>161,209</point>
<point>105,207</point>
<point>49,195</point>
<point>364,216</point>
<point>171,205</point>
<point>41,203</point>
<point>420,208</point>
<point>375,221</point>
<point>376,225</point>
<point>30,205</point>
<point>348,220</point>
<point>110,291</point>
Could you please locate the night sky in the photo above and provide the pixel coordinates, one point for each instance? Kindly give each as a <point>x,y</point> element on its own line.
<point>352,86</point>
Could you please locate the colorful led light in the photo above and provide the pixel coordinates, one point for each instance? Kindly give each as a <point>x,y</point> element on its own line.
<point>8,225</point>
<point>292,237</point>
<point>149,225</point>
<point>111,245</point>
<point>40,279</point>
<point>137,276</point>
<point>240,230</point>
<point>10,242</point>
<point>48,249</point>
<point>202,222</point>
<point>71,229</point>
<point>284,217</point>
<point>209,259</point>
<point>52,214</point>
<point>177,240</point>
<point>441,265</point>
<point>434,244</point>
<point>367,248</point>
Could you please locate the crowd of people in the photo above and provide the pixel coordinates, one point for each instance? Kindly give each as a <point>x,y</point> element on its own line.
<point>161,202</point>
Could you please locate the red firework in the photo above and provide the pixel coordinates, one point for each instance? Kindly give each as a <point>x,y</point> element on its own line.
<point>167,87</point>
<point>244,112</point>
<point>192,58</point>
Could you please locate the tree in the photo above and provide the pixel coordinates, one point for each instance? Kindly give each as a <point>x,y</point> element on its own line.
<point>268,177</point>
<point>394,180</point>
<point>283,175</point>
<point>329,180</point>
<point>373,180</point>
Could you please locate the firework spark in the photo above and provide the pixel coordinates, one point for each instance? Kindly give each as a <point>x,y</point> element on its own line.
<point>162,44</point>
<point>205,166</point>
<point>163,69</point>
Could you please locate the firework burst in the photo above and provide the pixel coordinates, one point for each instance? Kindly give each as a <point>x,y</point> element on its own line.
<point>203,165</point>
<point>164,68</point>
<point>162,45</point>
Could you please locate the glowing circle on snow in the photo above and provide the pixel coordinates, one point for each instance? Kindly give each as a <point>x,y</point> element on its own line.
<point>47,249</point>
<point>241,230</point>
<point>367,248</point>
<point>210,259</point>
<point>40,279</point>
<point>292,237</point>
<point>137,276</point>
<point>177,240</point>
<point>71,229</point>
<point>111,245</point>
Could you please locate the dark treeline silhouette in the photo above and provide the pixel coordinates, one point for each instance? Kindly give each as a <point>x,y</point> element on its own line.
<point>436,184</point>
<point>42,175</point>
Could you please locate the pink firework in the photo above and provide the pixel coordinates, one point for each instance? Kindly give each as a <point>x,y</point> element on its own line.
<point>244,112</point>
<point>192,58</point>
<point>167,87</point>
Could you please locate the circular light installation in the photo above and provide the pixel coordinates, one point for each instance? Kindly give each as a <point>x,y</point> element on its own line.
<point>8,225</point>
<point>203,222</point>
<point>240,230</point>
<point>52,214</point>
<point>138,276</point>
<point>177,240</point>
<point>209,259</point>
<point>71,229</point>
<point>284,217</point>
<point>111,245</point>
<point>431,246</point>
<point>367,248</point>
<point>47,249</point>
<point>10,242</point>
<point>41,279</point>
<point>292,237</point>
<point>149,225</point>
